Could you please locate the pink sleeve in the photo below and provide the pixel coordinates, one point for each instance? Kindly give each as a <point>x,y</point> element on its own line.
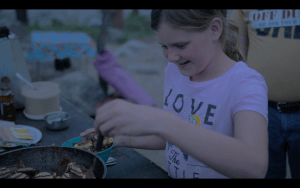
<point>251,94</point>
<point>109,69</point>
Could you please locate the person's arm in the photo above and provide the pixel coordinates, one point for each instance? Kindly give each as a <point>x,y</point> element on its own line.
<point>150,142</point>
<point>243,156</point>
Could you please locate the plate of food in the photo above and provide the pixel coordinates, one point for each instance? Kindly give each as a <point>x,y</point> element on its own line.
<point>51,162</point>
<point>89,143</point>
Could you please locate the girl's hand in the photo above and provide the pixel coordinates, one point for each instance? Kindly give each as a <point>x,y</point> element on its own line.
<point>120,118</point>
<point>119,141</point>
<point>87,132</point>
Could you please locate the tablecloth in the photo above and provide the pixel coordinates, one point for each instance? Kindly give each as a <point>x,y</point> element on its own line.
<point>50,45</point>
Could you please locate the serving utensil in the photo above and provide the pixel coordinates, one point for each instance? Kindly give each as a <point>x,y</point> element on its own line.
<point>99,142</point>
<point>18,75</point>
<point>111,161</point>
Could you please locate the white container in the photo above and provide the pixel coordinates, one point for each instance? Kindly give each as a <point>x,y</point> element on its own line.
<point>43,100</point>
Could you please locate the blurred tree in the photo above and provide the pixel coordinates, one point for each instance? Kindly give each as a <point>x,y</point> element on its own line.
<point>106,14</point>
<point>135,11</point>
<point>117,19</point>
<point>101,40</point>
<point>22,16</point>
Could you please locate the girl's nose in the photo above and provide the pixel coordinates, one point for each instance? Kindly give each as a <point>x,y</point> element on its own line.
<point>172,56</point>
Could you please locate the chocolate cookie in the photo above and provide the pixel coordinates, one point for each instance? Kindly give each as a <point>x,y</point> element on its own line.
<point>66,176</point>
<point>76,170</point>
<point>43,175</point>
<point>19,176</point>
<point>4,172</point>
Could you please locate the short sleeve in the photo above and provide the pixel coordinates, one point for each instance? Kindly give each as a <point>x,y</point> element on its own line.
<point>237,18</point>
<point>167,67</point>
<point>251,94</point>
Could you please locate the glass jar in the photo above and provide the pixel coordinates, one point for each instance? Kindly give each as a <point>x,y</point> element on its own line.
<point>8,110</point>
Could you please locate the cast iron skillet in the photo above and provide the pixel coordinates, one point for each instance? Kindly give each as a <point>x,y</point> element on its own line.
<point>44,157</point>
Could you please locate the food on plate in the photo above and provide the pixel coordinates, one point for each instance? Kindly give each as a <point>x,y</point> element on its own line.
<point>19,175</point>
<point>66,176</point>
<point>43,175</point>
<point>75,169</point>
<point>65,169</point>
<point>27,170</point>
<point>89,142</point>
<point>4,172</point>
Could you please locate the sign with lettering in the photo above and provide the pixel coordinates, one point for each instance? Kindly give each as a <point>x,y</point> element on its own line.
<point>274,18</point>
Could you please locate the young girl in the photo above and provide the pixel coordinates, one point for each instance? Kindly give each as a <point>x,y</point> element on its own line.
<point>214,121</point>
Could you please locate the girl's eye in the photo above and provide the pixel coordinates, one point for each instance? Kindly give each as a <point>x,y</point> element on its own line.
<point>181,46</point>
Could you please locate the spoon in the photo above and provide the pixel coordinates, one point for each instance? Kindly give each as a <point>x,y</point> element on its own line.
<point>111,161</point>
<point>99,141</point>
<point>23,79</point>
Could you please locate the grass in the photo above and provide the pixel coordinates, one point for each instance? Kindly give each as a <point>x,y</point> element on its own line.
<point>136,27</point>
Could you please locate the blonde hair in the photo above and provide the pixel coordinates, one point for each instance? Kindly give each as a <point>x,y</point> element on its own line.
<point>199,20</point>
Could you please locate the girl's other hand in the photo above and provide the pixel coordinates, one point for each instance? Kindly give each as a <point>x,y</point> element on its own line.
<point>87,132</point>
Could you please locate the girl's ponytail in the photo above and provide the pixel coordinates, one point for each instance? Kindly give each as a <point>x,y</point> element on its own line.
<point>231,45</point>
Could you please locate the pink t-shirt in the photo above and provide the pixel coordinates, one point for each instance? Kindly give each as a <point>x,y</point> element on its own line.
<point>210,105</point>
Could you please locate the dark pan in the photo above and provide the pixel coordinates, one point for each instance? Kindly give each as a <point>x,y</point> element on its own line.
<point>45,157</point>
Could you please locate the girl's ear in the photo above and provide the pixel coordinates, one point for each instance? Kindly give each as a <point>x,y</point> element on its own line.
<point>216,27</point>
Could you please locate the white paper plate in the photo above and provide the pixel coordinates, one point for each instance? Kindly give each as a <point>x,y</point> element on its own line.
<point>36,133</point>
<point>35,117</point>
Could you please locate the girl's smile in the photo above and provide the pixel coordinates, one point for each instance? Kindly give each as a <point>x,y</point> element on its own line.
<point>184,64</point>
<point>188,50</point>
<point>194,53</point>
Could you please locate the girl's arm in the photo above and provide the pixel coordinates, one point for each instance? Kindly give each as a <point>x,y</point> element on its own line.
<point>150,142</point>
<point>243,156</point>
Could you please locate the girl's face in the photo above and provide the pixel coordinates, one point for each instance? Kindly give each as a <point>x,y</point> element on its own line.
<point>192,52</point>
